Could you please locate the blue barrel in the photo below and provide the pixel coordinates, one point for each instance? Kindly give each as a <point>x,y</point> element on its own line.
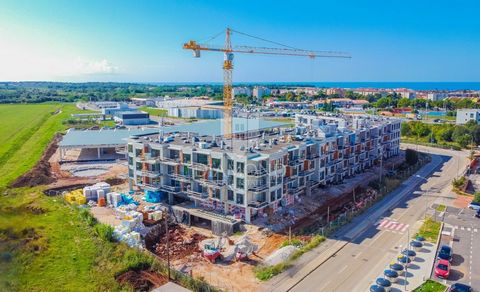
<point>391,275</point>
<point>376,288</point>
<point>397,268</point>
<point>385,283</point>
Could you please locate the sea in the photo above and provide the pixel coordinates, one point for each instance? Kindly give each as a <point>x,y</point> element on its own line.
<point>380,85</point>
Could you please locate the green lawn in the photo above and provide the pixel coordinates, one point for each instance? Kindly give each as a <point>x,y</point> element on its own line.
<point>430,230</point>
<point>154,111</point>
<point>26,130</point>
<point>431,286</point>
<point>441,208</point>
<point>46,245</point>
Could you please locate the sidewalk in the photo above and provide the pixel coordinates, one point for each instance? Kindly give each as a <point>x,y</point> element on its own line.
<point>419,270</point>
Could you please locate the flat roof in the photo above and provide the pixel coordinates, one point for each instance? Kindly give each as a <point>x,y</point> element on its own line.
<point>118,137</point>
<point>215,127</point>
<point>96,138</point>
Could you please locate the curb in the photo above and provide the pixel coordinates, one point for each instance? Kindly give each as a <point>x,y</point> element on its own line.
<point>436,249</point>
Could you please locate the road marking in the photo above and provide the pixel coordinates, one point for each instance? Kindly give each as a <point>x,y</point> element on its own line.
<point>475,230</point>
<point>462,228</point>
<point>400,226</point>
<point>384,221</point>
<point>342,269</point>
<point>468,229</point>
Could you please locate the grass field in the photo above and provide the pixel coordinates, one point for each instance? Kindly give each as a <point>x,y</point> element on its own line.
<point>46,245</point>
<point>154,111</point>
<point>429,230</point>
<point>431,286</point>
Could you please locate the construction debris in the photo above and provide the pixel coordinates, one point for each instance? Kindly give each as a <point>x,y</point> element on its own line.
<point>281,255</point>
<point>182,242</point>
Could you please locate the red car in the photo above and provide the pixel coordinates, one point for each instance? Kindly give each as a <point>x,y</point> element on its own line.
<point>442,269</point>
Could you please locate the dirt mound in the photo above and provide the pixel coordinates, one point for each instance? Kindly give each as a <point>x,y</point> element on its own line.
<point>142,280</point>
<point>115,181</point>
<point>40,174</point>
<point>182,242</point>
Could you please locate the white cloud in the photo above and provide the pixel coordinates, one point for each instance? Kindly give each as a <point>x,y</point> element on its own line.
<point>87,67</point>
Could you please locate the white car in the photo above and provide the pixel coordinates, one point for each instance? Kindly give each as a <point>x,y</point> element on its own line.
<point>474,205</point>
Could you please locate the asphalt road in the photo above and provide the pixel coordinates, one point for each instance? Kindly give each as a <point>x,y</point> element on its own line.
<point>370,247</point>
<point>463,234</point>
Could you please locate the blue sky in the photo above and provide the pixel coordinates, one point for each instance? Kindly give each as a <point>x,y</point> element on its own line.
<point>141,41</point>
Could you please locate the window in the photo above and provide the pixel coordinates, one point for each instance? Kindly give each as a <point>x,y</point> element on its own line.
<point>230,180</point>
<point>240,167</point>
<point>216,194</point>
<point>240,199</point>
<point>216,163</point>
<point>279,180</point>
<point>187,158</point>
<point>279,194</point>
<point>230,195</point>
<point>272,196</point>
<point>154,153</point>
<point>240,183</point>
<point>130,148</point>
<point>202,158</point>
<point>230,164</point>
<point>273,180</point>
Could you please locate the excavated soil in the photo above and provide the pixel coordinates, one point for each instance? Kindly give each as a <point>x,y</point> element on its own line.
<point>182,242</point>
<point>142,280</point>
<point>41,173</point>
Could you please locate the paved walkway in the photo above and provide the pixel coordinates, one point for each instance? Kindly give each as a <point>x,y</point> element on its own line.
<point>418,270</point>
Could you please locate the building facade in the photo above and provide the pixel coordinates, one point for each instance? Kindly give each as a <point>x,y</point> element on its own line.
<point>269,170</point>
<point>465,115</point>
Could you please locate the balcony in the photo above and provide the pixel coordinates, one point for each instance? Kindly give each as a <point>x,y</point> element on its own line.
<point>258,188</point>
<point>305,172</point>
<point>211,182</point>
<point>312,156</point>
<point>199,166</point>
<point>150,173</point>
<point>198,195</point>
<point>169,161</point>
<point>170,189</point>
<point>180,177</point>
<point>257,172</point>
<point>257,205</point>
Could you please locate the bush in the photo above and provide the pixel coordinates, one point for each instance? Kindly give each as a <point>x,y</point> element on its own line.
<point>476,197</point>
<point>295,242</point>
<point>264,273</point>
<point>458,182</point>
<point>88,217</point>
<point>104,231</point>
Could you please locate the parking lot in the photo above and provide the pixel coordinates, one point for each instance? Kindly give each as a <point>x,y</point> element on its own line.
<point>462,232</point>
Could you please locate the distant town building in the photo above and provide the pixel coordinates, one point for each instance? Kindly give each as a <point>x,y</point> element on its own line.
<point>241,91</point>
<point>195,112</point>
<point>338,91</point>
<point>131,118</point>
<point>260,91</point>
<point>434,96</point>
<point>406,93</point>
<point>465,115</point>
<point>119,107</point>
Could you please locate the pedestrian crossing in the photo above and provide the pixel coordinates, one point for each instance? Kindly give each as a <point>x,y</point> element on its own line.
<point>392,225</point>
<point>465,228</point>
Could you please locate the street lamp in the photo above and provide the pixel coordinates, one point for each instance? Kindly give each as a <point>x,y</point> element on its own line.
<point>426,196</point>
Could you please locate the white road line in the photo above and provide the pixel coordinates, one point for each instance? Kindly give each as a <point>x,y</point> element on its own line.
<point>399,226</point>
<point>468,229</point>
<point>462,228</point>
<point>342,269</point>
<point>405,228</point>
<point>475,230</point>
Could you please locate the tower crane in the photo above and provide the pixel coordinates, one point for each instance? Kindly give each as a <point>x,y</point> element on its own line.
<point>228,50</point>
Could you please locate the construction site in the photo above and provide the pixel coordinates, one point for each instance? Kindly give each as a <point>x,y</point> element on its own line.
<point>215,199</point>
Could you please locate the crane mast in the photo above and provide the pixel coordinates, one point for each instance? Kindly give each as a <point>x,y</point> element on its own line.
<point>228,52</point>
<point>227,86</point>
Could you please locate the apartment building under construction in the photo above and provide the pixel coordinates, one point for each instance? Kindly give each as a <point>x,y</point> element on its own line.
<point>260,168</point>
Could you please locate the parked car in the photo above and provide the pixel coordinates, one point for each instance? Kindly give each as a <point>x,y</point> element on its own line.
<point>459,287</point>
<point>442,269</point>
<point>477,214</point>
<point>474,205</point>
<point>445,253</point>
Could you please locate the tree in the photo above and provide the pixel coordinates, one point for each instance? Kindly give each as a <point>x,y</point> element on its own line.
<point>404,102</point>
<point>406,130</point>
<point>461,135</point>
<point>383,102</point>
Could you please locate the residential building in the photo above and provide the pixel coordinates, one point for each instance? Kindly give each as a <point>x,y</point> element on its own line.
<point>241,91</point>
<point>260,168</point>
<point>465,115</point>
<point>260,91</point>
<point>434,96</point>
<point>337,91</point>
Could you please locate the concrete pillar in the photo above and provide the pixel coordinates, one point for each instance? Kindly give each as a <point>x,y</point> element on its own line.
<point>170,198</point>
<point>99,152</point>
<point>247,215</point>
